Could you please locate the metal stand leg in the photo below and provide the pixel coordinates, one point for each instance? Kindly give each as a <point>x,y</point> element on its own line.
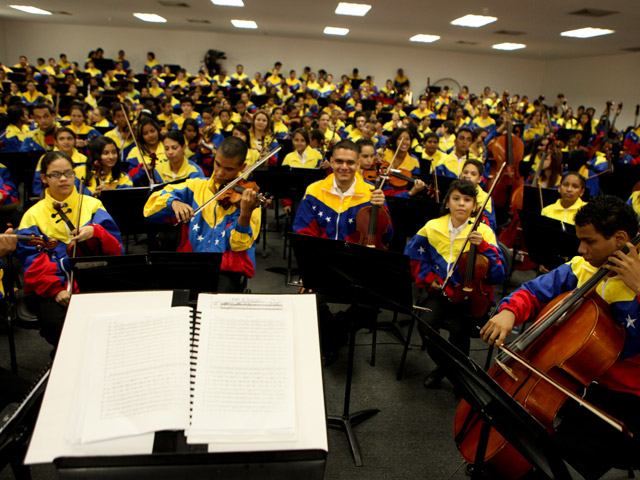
<point>347,420</point>
<point>405,350</point>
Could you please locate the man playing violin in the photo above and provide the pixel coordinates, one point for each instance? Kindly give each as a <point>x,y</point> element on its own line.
<point>603,226</point>
<point>230,229</point>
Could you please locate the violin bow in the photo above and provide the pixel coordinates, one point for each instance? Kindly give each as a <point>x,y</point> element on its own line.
<point>135,140</point>
<point>386,173</point>
<point>474,226</point>
<point>232,183</point>
<point>75,244</point>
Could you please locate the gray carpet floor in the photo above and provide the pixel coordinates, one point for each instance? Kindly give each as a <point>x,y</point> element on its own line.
<point>411,437</point>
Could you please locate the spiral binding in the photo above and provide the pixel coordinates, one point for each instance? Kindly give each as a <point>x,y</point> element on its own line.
<point>193,354</point>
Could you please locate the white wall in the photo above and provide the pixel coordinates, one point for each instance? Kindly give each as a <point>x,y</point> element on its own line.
<point>588,81</point>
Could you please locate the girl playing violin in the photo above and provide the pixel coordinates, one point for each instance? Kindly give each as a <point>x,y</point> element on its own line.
<point>571,188</point>
<point>148,135</point>
<point>261,134</point>
<point>472,171</point>
<point>80,128</point>
<point>401,137</point>
<point>46,273</point>
<point>177,167</point>
<point>103,171</point>
<point>433,252</point>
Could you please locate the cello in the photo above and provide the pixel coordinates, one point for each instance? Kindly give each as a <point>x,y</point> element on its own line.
<point>572,342</point>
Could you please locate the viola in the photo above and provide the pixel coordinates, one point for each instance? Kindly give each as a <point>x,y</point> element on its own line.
<point>233,196</point>
<point>573,340</point>
<point>88,248</point>
<point>372,222</point>
<point>39,241</point>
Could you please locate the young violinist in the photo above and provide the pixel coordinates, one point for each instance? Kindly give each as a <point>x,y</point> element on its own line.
<point>177,167</point>
<point>400,141</point>
<point>46,273</point>
<point>472,171</point>
<point>571,188</point>
<point>451,165</point>
<point>103,171</point>
<point>230,229</point>
<point>149,141</point>
<point>603,226</point>
<point>121,133</point>
<point>433,252</point>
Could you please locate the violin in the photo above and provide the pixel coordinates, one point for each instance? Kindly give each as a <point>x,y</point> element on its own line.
<point>233,196</point>
<point>88,248</point>
<point>39,241</point>
<point>573,340</point>
<point>150,174</point>
<point>372,222</point>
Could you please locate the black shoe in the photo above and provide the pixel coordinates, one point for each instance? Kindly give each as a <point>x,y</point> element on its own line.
<point>434,379</point>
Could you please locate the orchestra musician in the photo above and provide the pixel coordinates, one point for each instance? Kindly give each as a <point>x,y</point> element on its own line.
<point>231,230</point>
<point>604,226</point>
<point>433,252</point>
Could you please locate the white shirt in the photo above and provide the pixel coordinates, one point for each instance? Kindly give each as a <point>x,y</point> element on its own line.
<point>350,191</point>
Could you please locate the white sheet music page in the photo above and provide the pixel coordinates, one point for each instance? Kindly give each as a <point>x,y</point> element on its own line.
<point>244,385</point>
<point>136,375</point>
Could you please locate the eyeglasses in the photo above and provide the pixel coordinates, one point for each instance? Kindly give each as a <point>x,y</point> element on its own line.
<point>57,175</point>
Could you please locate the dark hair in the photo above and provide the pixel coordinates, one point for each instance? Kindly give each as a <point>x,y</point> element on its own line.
<point>242,128</point>
<point>316,134</point>
<point>449,126</point>
<point>65,130</point>
<point>463,129</point>
<point>176,136</point>
<point>302,132</point>
<point>142,123</point>
<point>186,99</point>
<point>476,133</point>
<point>234,148</point>
<point>96,147</point>
<point>117,107</point>
<point>190,122</point>
<point>347,145</point>
<point>365,142</point>
<point>608,214</point>
<point>465,187</point>
<point>50,157</point>
<point>44,105</point>
<point>393,139</point>
<point>15,113</point>
<point>476,163</point>
<point>151,54</point>
<point>429,135</point>
<point>580,177</point>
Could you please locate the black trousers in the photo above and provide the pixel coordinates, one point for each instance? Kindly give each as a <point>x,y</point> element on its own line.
<point>592,446</point>
<point>51,316</point>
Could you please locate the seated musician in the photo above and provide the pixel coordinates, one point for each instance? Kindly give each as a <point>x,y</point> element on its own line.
<point>102,170</point>
<point>177,167</point>
<point>121,133</point>
<point>451,165</point>
<point>328,210</point>
<point>472,171</point>
<point>149,141</point>
<point>433,252</point>
<point>401,137</point>
<point>570,190</point>
<point>40,139</point>
<point>604,226</point>
<point>231,230</point>
<point>551,173</point>
<point>13,135</point>
<point>187,106</point>
<point>46,273</point>
<point>303,156</point>
<point>634,202</point>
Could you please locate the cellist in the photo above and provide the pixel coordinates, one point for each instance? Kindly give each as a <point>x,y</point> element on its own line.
<point>433,252</point>
<point>604,226</point>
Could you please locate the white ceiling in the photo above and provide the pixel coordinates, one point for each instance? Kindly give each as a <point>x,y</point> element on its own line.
<point>388,22</point>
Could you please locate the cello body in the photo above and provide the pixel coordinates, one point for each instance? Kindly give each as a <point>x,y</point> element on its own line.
<point>574,351</point>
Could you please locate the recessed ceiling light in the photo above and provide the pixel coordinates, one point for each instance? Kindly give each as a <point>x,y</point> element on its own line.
<point>509,46</point>
<point>587,32</point>
<point>424,38</point>
<point>244,24</point>
<point>473,21</point>
<point>228,3</point>
<point>30,9</point>
<point>150,17</point>
<point>355,9</point>
<point>335,31</point>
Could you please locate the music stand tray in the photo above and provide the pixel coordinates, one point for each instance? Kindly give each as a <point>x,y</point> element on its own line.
<point>350,273</point>
<point>548,243</point>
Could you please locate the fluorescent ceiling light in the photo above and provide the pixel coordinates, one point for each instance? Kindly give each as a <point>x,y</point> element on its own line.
<point>355,9</point>
<point>473,21</point>
<point>335,31</point>
<point>424,38</point>
<point>150,17</point>
<point>587,32</point>
<point>30,9</point>
<point>244,24</point>
<point>509,46</point>
<point>228,3</point>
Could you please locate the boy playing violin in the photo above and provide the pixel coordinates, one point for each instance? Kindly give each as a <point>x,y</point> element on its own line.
<point>603,226</point>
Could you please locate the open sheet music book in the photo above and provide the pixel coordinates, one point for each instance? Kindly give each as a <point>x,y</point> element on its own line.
<point>222,373</point>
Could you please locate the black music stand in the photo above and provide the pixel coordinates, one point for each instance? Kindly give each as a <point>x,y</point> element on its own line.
<point>350,273</point>
<point>291,183</point>
<point>197,272</point>
<point>549,242</point>
<point>531,198</point>
<point>498,410</point>
<point>621,181</point>
<point>409,215</point>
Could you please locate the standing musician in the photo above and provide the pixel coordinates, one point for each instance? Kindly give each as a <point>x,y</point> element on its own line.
<point>230,229</point>
<point>604,226</point>
<point>328,210</point>
<point>433,252</point>
<point>47,273</point>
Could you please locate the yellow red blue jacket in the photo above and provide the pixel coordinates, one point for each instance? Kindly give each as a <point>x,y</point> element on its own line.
<point>449,165</point>
<point>188,169</point>
<point>322,213</point>
<point>123,181</point>
<point>634,202</point>
<point>78,160</point>
<point>432,254</point>
<point>565,215</point>
<point>47,272</point>
<point>312,159</point>
<point>11,139</point>
<point>214,229</point>
<point>488,214</point>
<point>36,140</point>
<point>7,188</point>
<point>530,298</point>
